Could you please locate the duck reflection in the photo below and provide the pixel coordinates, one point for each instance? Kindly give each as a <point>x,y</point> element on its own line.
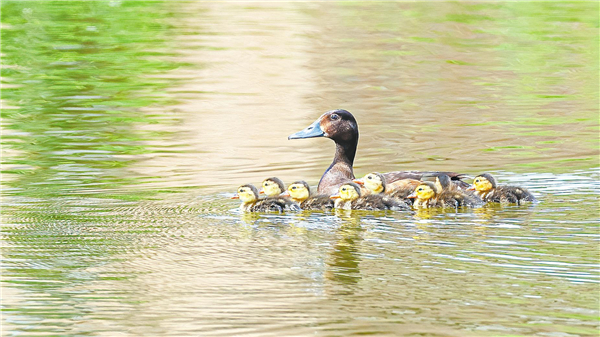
<point>342,266</point>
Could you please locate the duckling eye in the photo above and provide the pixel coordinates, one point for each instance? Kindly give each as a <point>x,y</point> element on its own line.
<point>477,180</point>
<point>344,189</point>
<point>369,177</point>
<point>294,187</point>
<point>334,117</point>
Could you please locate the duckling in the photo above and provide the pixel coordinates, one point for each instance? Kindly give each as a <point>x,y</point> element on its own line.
<point>485,186</point>
<point>450,190</point>
<point>427,195</point>
<point>399,189</point>
<point>444,183</point>
<point>248,194</point>
<point>299,192</point>
<point>349,197</point>
<point>272,187</point>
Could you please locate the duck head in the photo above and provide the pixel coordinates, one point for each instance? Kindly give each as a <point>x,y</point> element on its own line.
<point>374,182</point>
<point>246,193</point>
<point>341,127</point>
<point>338,125</point>
<point>272,187</point>
<point>425,191</point>
<point>483,183</point>
<point>298,191</point>
<point>347,192</point>
<point>443,182</point>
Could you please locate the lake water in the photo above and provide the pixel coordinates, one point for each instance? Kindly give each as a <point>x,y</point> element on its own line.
<point>126,127</point>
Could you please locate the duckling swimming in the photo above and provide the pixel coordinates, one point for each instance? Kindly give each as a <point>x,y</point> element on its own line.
<point>349,197</point>
<point>451,190</point>
<point>248,194</point>
<point>486,188</point>
<point>299,192</point>
<point>427,195</point>
<point>272,187</point>
<point>399,189</point>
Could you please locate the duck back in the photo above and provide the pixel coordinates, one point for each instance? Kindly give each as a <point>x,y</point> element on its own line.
<point>391,177</point>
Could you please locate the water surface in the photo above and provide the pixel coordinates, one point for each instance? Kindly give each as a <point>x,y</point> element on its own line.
<point>126,126</point>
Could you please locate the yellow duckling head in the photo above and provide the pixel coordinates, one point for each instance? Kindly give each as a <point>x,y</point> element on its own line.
<point>483,183</point>
<point>246,193</point>
<point>298,191</point>
<point>348,192</point>
<point>374,182</point>
<point>425,191</point>
<point>272,187</point>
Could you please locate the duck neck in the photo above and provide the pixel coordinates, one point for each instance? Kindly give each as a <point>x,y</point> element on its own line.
<point>344,153</point>
<point>340,170</point>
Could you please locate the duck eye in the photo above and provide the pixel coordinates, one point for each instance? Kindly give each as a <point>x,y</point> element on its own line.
<point>294,187</point>
<point>344,189</point>
<point>369,177</point>
<point>334,117</point>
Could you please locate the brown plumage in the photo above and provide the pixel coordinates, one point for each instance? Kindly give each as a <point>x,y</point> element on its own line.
<point>341,127</point>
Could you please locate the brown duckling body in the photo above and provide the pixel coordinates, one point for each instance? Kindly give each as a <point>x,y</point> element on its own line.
<point>349,197</point>
<point>486,187</point>
<point>427,195</point>
<point>341,126</point>
<point>399,189</point>
<point>248,194</point>
<point>449,190</point>
<point>299,192</point>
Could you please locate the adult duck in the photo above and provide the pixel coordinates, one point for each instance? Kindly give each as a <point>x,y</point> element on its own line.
<point>341,127</point>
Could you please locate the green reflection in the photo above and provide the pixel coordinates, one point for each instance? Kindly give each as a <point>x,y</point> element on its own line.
<point>80,82</point>
<point>77,76</point>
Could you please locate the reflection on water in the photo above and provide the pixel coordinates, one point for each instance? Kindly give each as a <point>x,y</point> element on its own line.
<point>127,124</point>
